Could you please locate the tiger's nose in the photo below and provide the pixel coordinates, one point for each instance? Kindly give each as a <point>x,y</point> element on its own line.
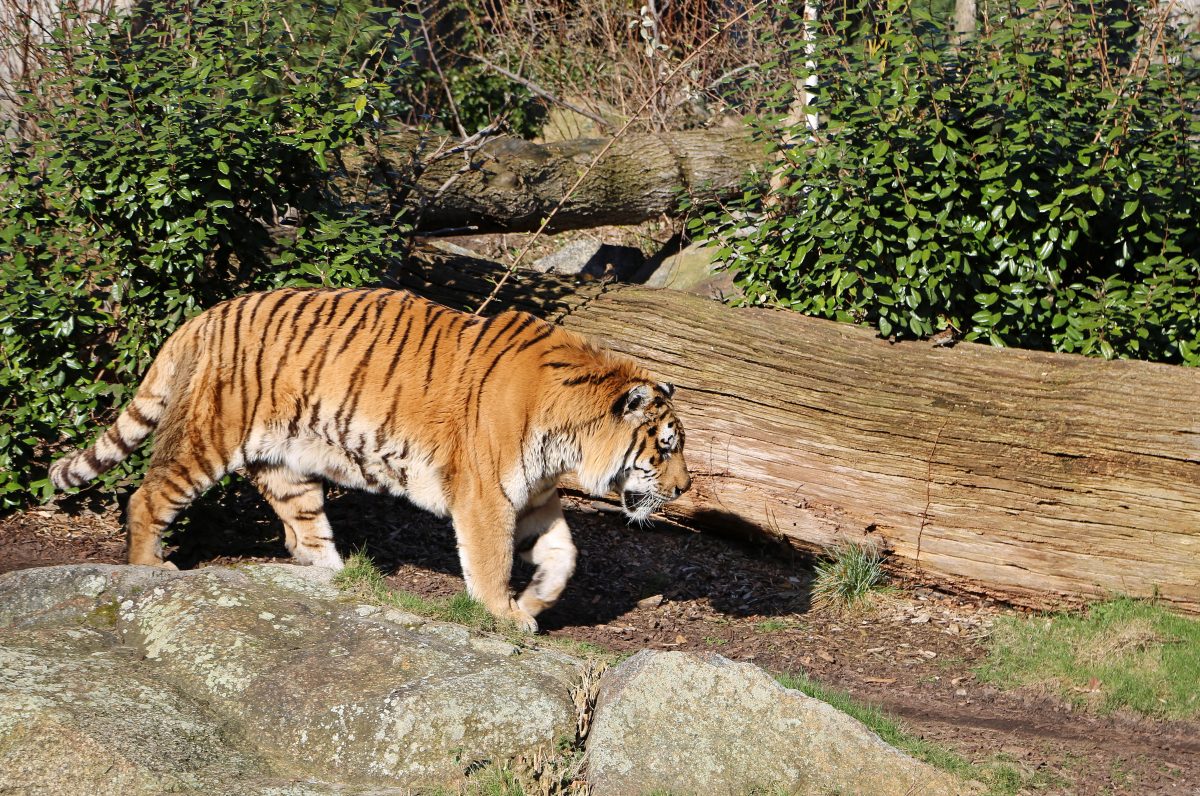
<point>679,490</point>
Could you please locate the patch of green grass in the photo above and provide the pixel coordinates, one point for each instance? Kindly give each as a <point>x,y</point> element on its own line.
<point>582,649</point>
<point>849,577</point>
<point>494,780</point>
<point>773,625</point>
<point>881,724</point>
<point>361,578</point>
<point>413,603</point>
<point>1000,777</point>
<point>464,610</point>
<point>1121,654</point>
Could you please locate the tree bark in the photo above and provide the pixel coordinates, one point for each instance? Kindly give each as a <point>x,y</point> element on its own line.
<point>510,185</point>
<point>1040,478</point>
<point>964,21</point>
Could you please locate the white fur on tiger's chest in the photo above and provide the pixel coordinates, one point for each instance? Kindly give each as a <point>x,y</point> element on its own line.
<point>545,457</point>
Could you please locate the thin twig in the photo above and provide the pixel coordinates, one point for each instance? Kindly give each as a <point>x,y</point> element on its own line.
<point>462,131</point>
<point>508,272</point>
<point>469,144</point>
<point>440,233</point>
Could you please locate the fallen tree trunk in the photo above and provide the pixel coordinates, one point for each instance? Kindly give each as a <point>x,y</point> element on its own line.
<point>1032,476</point>
<point>510,185</point>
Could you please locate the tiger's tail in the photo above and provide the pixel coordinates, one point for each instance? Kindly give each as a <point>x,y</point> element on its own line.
<point>131,428</point>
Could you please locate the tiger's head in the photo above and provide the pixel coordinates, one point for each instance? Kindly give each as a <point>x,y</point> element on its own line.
<point>638,451</point>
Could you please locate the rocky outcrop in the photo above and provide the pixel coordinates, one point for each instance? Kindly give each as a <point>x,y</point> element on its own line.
<point>128,680</point>
<point>266,679</point>
<point>672,722</point>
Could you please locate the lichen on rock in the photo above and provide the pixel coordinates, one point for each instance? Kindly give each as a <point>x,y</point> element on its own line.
<point>277,676</point>
<point>267,679</point>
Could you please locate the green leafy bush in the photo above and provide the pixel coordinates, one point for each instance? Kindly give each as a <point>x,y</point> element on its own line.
<point>1038,187</point>
<point>154,162</point>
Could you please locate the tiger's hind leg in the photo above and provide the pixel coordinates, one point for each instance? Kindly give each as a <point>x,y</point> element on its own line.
<point>167,488</point>
<point>299,500</point>
<point>545,540</point>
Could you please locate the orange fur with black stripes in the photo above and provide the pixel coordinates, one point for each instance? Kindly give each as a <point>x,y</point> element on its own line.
<point>382,390</point>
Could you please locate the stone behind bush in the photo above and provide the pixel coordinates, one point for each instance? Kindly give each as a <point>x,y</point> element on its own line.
<point>670,722</point>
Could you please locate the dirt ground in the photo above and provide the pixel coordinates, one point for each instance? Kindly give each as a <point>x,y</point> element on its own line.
<point>665,587</point>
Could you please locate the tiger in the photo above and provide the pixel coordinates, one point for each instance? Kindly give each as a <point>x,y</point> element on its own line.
<point>377,389</point>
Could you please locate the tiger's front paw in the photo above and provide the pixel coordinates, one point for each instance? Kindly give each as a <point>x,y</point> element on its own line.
<point>522,619</point>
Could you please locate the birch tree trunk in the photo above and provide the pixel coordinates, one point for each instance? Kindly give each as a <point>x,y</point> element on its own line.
<point>801,110</point>
<point>964,21</point>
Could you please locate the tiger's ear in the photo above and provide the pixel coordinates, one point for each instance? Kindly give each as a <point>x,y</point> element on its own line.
<point>668,389</point>
<point>632,400</point>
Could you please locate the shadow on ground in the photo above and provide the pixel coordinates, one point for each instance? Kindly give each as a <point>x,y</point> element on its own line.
<point>619,564</point>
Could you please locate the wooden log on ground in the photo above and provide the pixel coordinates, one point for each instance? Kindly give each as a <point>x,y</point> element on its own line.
<point>510,185</point>
<point>1035,477</point>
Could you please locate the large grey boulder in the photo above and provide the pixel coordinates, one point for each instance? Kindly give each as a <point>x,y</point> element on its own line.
<point>258,679</point>
<point>671,722</point>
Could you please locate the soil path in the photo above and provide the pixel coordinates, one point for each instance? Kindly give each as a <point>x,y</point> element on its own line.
<point>668,588</point>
